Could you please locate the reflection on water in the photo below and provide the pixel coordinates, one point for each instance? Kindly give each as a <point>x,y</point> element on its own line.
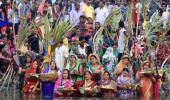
<point>14,94</point>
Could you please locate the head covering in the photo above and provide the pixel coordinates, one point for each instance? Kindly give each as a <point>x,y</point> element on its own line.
<point>144,63</point>
<point>65,41</point>
<point>72,54</point>
<point>125,56</point>
<point>109,56</point>
<point>89,58</point>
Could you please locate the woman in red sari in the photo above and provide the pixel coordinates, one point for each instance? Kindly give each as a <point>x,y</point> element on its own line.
<point>86,84</point>
<point>146,82</point>
<point>31,78</point>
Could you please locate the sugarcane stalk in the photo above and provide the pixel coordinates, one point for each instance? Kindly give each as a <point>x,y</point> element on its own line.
<point>6,78</point>
<point>10,76</point>
<point>5,73</point>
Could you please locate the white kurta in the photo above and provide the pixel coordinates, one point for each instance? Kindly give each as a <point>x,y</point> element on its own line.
<point>75,16</point>
<point>61,53</point>
<point>101,14</point>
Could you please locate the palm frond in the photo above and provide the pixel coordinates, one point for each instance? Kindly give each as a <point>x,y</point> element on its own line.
<point>113,20</point>
<point>47,29</point>
<point>24,32</point>
<point>61,29</point>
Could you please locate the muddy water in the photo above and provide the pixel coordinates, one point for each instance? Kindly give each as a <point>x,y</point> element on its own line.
<point>14,94</point>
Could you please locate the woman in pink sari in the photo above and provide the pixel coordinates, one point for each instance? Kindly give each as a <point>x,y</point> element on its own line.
<point>64,82</point>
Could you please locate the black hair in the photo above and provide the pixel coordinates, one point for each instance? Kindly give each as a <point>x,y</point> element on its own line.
<point>121,24</point>
<point>126,69</point>
<point>3,7</point>
<point>102,1</point>
<point>81,38</point>
<point>55,65</point>
<point>87,71</point>
<point>168,35</point>
<point>27,55</point>
<point>82,17</point>
<point>38,68</point>
<point>68,73</point>
<point>1,47</point>
<point>125,58</point>
<point>93,56</point>
<point>89,50</point>
<point>107,73</point>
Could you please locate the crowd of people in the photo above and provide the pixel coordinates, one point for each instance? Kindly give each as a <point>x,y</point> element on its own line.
<point>76,69</point>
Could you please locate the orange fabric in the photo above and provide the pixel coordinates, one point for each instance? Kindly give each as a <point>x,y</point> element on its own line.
<point>146,88</point>
<point>120,66</point>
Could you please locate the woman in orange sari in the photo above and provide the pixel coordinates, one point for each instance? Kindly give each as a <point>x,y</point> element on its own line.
<point>146,82</point>
<point>124,63</point>
<point>31,78</point>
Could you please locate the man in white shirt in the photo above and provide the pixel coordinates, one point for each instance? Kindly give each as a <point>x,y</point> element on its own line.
<point>109,6</point>
<point>61,56</point>
<point>101,13</point>
<point>75,14</point>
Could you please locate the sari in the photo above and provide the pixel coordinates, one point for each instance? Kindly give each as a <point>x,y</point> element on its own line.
<point>120,66</point>
<point>21,77</point>
<point>124,93</point>
<point>59,85</point>
<point>146,88</point>
<point>47,86</point>
<point>109,93</point>
<point>109,60</point>
<point>81,84</point>
<point>30,83</point>
<point>96,76</point>
<point>75,77</point>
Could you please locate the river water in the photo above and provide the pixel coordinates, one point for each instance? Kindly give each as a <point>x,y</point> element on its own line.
<point>14,94</point>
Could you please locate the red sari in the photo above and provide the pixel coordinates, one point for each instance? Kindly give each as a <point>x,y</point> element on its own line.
<point>81,84</point>
<point>30,84</point>
<point>146,88</point>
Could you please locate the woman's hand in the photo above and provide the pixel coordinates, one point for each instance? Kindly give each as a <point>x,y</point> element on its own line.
<point>97,71</point>
<point>59,93</point>
<point>23,70</point>
<point>34,89</point>
<point>76,72</point>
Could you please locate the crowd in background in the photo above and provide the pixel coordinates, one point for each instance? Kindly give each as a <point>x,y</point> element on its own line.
<point>74,59</point>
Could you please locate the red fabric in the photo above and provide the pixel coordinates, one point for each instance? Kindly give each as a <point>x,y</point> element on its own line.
<point>134,13</point>
<point>156,88</point>
<point>89,29</point>
<point>146,88</point>
<point>41,7</point>
<point>29,84</point>
<point>134,18</point>
<point>80,84</point>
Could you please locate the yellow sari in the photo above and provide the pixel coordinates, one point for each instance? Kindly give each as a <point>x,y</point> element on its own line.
<point>120,66</point>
